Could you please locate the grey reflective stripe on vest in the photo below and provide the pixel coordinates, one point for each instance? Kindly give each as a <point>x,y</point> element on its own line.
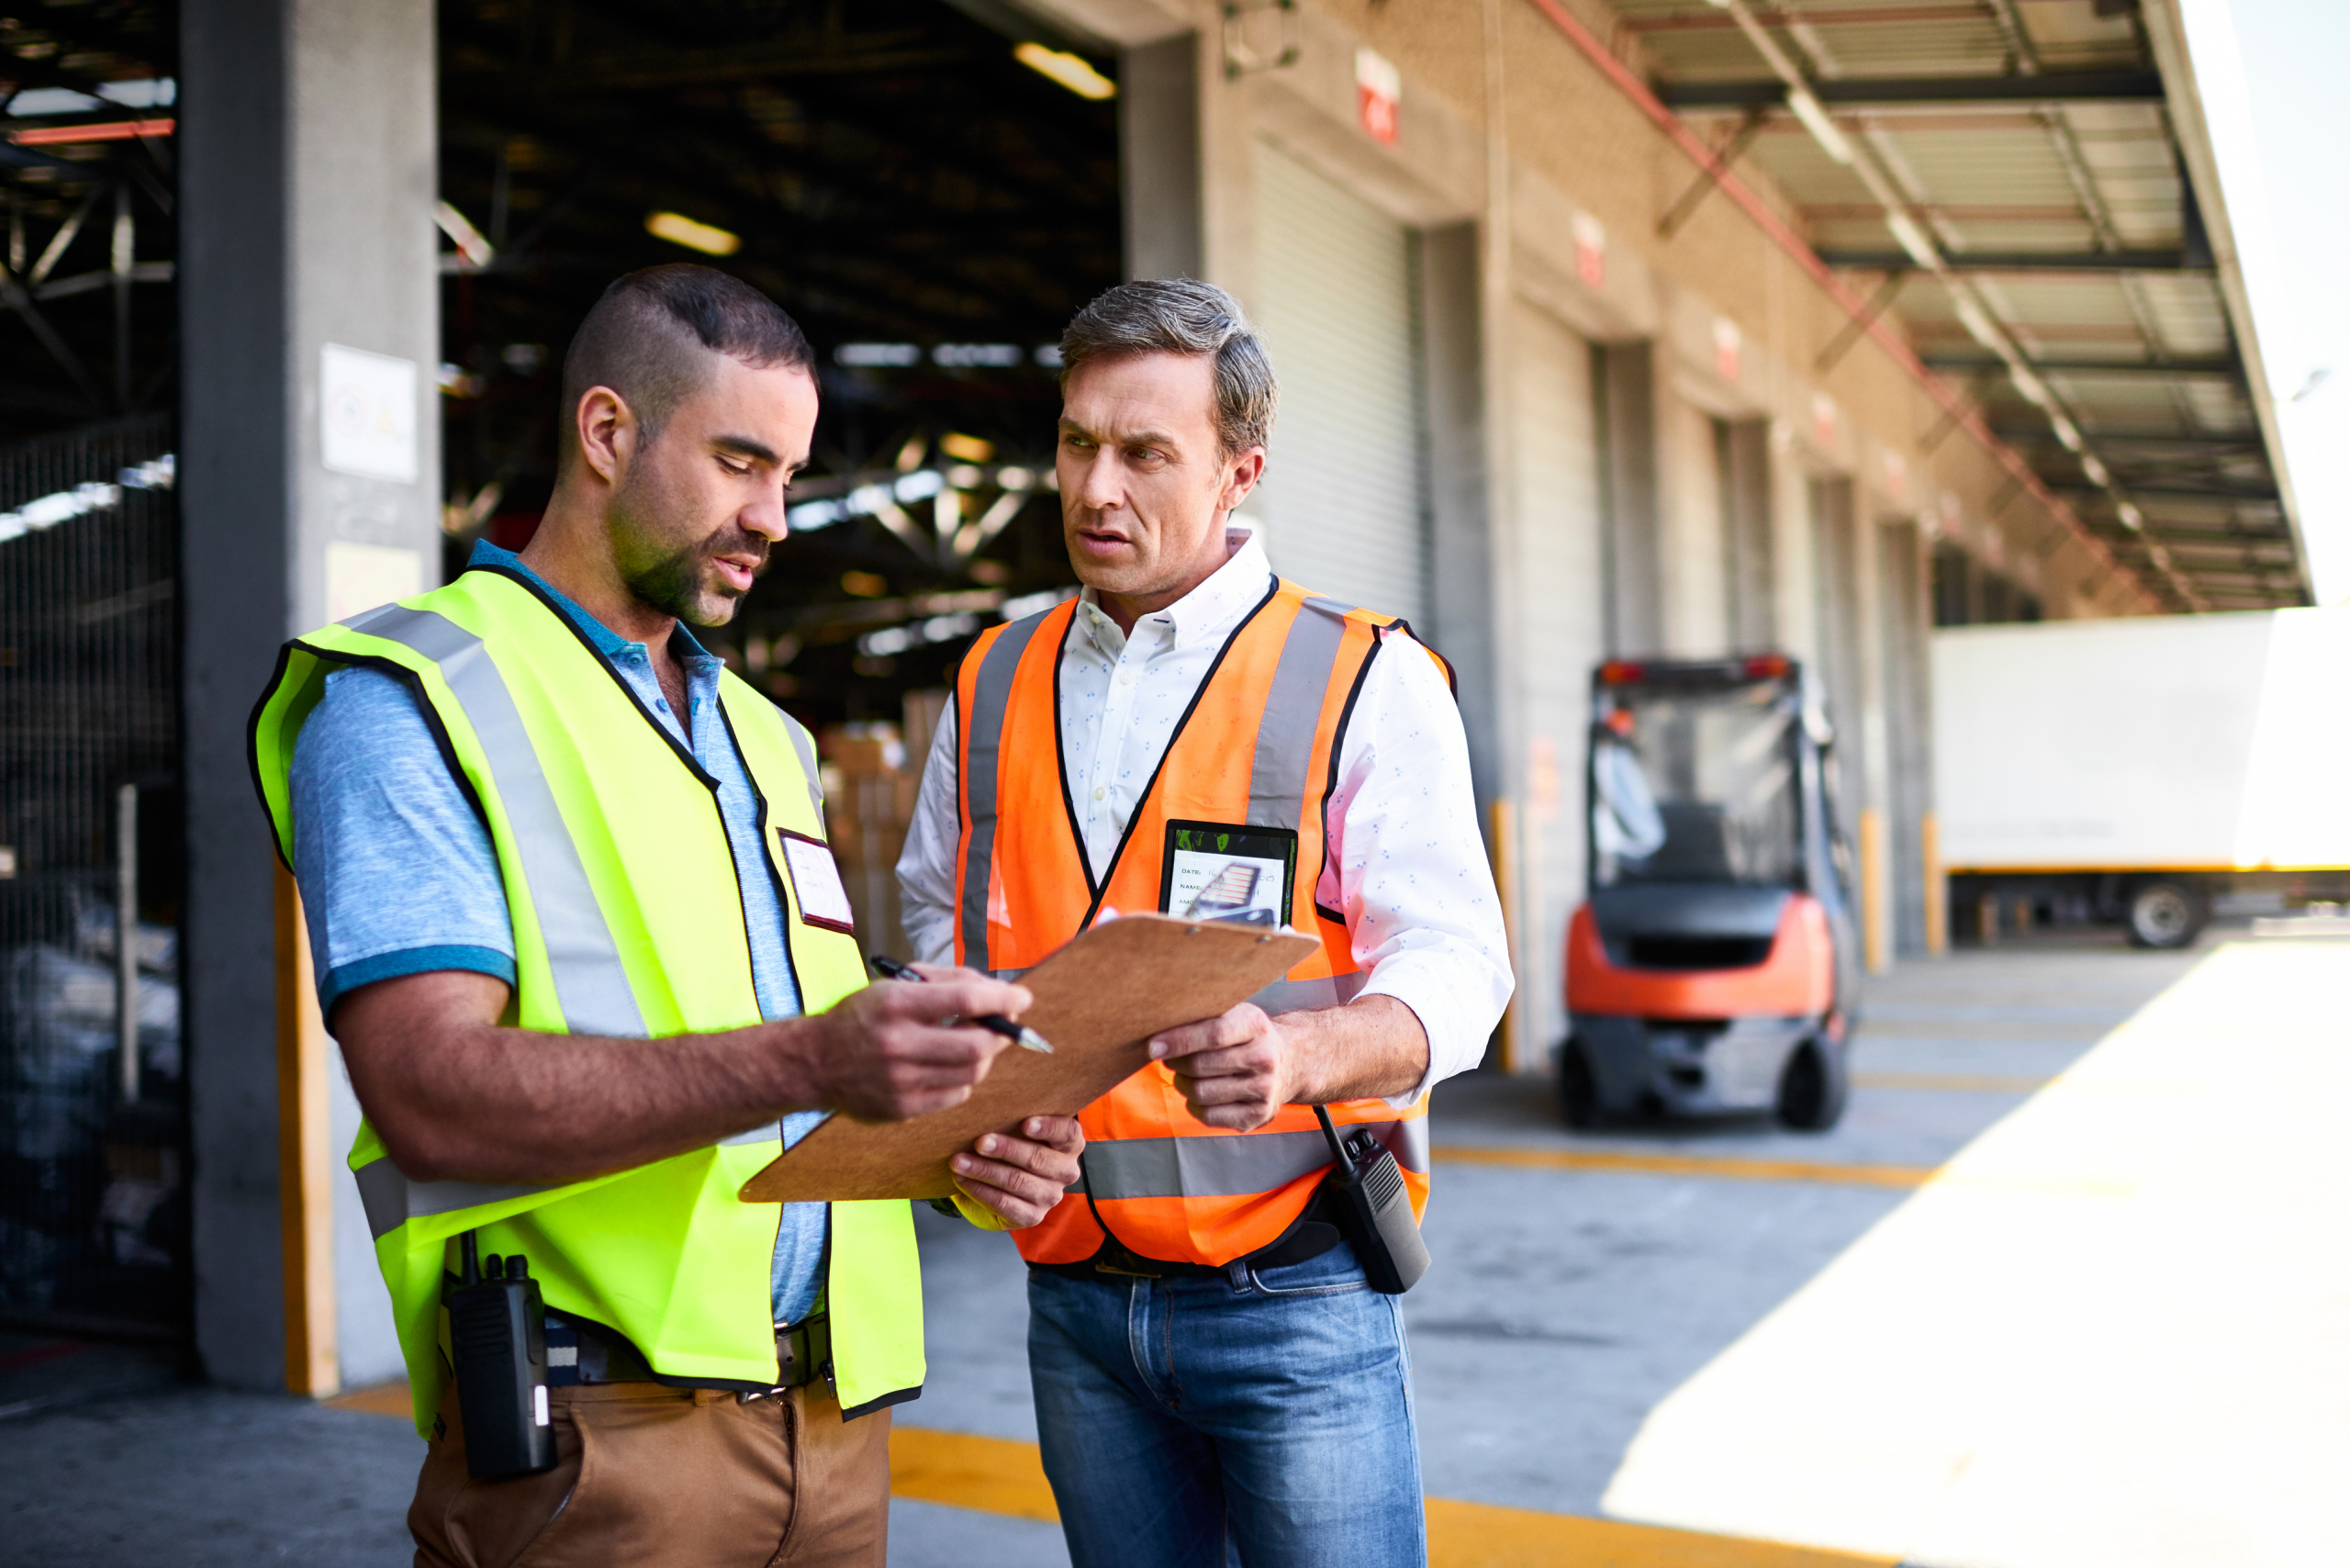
<point>592,992</point>
<point>806,748</point>
<point>1227,1167</point>
<point>990,695</point>
<point>1297,996</point>
<point>392,1200</point>
<point>1278,781</point>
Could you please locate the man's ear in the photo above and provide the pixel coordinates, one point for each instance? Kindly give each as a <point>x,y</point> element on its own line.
<point>1241,476</point>
<point>607,430</point>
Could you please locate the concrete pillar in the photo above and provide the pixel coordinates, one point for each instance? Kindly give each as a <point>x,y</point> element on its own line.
<point>1626,396</point>
<point>1159,158</point>
<point>1461,505</point>
<point>309,488</point>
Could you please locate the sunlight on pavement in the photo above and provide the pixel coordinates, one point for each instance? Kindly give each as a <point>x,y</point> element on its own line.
<point>2114,1330</point>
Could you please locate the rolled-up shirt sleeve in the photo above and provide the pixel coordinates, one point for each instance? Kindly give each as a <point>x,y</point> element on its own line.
<point>926,867</point>
<point>1407,866</point>
<point>397,874</point>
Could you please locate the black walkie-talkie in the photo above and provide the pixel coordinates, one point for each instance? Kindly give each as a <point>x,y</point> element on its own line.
<point>1374,1210</point>
<point>499,1334</point>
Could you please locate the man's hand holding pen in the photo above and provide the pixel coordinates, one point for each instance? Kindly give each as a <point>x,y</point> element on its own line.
<point>921,1043</point>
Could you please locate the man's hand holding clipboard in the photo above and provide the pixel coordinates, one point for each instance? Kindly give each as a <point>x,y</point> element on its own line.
<point>1100,1000</point>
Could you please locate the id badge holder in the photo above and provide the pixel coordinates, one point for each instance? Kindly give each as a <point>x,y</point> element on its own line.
<point>1229,871</point>
<point>816,885</point>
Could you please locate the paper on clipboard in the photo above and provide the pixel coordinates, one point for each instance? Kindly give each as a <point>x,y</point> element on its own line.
<point>1099,999</point>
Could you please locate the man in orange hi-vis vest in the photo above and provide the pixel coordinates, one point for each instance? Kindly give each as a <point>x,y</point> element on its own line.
<point>1194,734</point>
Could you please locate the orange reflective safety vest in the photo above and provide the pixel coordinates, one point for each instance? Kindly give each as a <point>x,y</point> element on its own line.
<point>1233,820</point>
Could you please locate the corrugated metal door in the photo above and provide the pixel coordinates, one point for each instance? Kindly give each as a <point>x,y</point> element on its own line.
<point>1344,503</point>
<point>1553,566</point>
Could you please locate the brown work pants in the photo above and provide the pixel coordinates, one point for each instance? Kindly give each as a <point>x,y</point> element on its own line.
<point>648,1476</point>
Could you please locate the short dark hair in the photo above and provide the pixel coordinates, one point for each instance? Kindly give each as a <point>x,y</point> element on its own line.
<point>1182,314</point>
<point>643,338</point>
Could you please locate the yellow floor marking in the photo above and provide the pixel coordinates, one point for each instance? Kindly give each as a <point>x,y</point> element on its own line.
<point>1477,1535</point>
<point>993,1475</point>
<point>998,1475</point>
<point>1903,1176</point>
<point>382,1399</point>
<point>1952,1082</point>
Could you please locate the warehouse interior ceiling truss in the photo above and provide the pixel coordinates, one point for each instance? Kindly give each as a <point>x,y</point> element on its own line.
<point>2006,177</point>
<point>931,211</point>
<point>86,132</point>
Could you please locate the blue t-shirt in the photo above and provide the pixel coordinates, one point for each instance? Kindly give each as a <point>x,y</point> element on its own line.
<point>399,876</point>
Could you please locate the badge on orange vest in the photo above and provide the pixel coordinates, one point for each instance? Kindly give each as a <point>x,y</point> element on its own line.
<point>1229,871</point>
<point>816,885</point>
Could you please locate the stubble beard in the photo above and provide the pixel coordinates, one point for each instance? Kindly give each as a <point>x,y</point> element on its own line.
<point>671,581</point>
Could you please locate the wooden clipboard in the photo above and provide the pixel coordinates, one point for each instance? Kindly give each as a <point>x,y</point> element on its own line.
<point>1099,999</point>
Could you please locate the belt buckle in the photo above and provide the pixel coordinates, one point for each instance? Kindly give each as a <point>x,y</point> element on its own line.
<point>1100,1268</point>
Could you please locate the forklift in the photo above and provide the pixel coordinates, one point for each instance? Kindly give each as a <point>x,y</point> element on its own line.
<point>1712,969</point>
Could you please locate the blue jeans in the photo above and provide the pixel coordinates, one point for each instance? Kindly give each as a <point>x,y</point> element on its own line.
<point>1187,1423</point>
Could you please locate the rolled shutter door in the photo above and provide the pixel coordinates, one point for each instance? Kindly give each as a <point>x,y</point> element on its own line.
<point>1342,502</point>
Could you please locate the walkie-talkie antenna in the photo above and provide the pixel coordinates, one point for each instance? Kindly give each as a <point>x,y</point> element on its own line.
<point>469,1253</point>
<point>1330,1131</point>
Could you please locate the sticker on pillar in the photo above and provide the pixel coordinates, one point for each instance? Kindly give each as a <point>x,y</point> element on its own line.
<point>1229,871</point>
<point>367,414</point>
<point>1823,419</point>
<point>361,576</point>
<point>1379,96</point>
<point>1728,341</point>
<point>1591,251</point>
<point>816,885</point>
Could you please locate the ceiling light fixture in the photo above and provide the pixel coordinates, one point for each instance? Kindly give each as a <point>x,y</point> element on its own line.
<point>476,250</point>
<point>1823,129</point>
<point>679,229</point>
<point>1071,71</point>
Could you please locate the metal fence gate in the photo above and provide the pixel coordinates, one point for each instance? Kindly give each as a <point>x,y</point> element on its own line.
<point>94,1190</point>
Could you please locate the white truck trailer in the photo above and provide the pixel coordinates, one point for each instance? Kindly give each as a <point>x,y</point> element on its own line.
<point>2144,770</point>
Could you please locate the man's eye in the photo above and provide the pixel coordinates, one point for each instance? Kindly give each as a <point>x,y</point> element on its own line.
<point>735,466</point>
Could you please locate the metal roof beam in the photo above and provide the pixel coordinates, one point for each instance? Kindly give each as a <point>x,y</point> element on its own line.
<point>2023,261</point>
<point>2172,496</point>
<point>1984,364</point>
<point>2054,88</point>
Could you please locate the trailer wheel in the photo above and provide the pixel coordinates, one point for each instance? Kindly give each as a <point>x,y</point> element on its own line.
<point>1812,1088</point>
<point>1578,1089</point>
<point>2163,916</point>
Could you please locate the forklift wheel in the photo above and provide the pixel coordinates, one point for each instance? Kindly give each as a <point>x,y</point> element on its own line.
<point>1812,1089</point>
<point>1578,1091</point>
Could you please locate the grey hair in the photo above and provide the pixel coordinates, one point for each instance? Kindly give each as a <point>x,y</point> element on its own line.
<point>1180,315</point>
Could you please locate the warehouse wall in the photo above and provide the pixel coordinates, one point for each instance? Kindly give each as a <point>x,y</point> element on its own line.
<point>1728,483</point>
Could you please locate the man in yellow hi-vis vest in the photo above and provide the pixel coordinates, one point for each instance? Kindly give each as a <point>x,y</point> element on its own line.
<point>590,964</point>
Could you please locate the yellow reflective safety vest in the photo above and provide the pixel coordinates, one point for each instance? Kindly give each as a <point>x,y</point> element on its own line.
<point>628,922</point>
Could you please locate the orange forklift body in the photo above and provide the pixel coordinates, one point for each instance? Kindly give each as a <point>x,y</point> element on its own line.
<point>1797,981</point>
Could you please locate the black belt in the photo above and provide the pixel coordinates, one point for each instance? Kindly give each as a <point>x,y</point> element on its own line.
<point>803,1353</point>
<point>1313,1234</point>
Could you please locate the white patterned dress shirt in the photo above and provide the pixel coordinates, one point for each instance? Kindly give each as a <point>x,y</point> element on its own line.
<point>1405,861</point>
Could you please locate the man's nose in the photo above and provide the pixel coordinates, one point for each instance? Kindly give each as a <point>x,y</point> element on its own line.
<point>764,517</point>
<point>1104,488</point>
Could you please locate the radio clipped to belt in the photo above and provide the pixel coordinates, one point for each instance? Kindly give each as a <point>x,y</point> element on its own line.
<point>1366,1188</point>
<point>497,1330</point>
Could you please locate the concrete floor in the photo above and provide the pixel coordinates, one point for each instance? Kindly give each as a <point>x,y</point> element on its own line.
<point>1567,1307</point>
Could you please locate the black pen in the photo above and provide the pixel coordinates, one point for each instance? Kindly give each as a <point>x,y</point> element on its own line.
<point>994,1023</point>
